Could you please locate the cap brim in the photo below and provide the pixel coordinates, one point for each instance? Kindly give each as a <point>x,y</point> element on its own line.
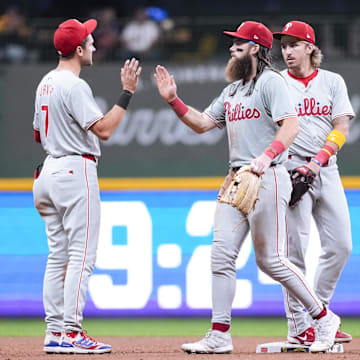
<point>278,35</point>
<point>234,35</point>
<point>230,33</point>
<point>90,26</point>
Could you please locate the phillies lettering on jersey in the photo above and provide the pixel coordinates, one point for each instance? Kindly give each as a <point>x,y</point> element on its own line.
<point>320,102</point>
<point>268,104</point>
<point>239,112</point>
<point>312,107</point>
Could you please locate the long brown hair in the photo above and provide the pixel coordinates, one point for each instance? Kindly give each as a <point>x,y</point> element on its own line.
<point>264,60</point>
<point>316,57</point>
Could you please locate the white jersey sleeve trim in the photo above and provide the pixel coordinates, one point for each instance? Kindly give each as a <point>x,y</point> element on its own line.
<point>93,122</point>
<point>351,115</point>
<point>284,117</point>
<point>217,123</point>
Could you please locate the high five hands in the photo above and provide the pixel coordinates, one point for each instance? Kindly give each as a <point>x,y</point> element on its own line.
<point>130,75</point>
<point>165,83</point>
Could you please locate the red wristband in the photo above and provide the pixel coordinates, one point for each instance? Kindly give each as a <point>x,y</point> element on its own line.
<point>179,107</point>
<point>276,148</point>
<point>329,149</point>
<point>324,155</point>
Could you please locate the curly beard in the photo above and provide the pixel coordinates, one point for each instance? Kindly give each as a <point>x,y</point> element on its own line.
<point>237,69</point>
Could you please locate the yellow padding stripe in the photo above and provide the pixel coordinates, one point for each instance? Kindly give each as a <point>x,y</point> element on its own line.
<point>337,137</point>
<point>186,183</point>
<point>193,183</point>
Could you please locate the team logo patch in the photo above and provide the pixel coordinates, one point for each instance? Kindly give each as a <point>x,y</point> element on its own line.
<point>287,26</point>
<point>240,26</point>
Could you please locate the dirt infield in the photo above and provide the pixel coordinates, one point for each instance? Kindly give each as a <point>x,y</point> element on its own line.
<point>141,348</point>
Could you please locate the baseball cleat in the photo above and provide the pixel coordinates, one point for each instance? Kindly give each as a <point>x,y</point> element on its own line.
<point>325,331</point>
<point>78,342</point>
<point>306,338</point>
<point>52,342</point>
<point>214,342</point>
<point>342,337</point>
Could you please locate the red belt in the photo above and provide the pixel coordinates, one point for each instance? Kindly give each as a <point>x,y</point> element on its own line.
<point>90,157</point>
<point>307,158</point>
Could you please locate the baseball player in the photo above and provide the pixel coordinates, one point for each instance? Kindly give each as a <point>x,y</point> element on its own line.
<point>261,123</point>
<point>324,112</point>
<point>68,123</point>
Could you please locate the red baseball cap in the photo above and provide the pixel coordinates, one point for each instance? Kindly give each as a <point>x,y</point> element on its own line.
<point>71,33</point>
<point>297,29</point>
<point>253,31</point>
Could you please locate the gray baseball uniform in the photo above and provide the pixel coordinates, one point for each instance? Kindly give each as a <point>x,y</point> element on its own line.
<point>66,193</point>
<point>252,123</point>
<point>323,100</point>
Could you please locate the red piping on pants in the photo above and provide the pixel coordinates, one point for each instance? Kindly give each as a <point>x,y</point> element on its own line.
<point>86,243</point>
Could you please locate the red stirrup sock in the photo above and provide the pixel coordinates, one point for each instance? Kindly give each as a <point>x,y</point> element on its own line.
<point>322,314</point>
<point>220,327</point>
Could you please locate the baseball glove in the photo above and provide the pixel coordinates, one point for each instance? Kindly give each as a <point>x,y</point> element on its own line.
<point>302,177</point>
<point>243,190</point>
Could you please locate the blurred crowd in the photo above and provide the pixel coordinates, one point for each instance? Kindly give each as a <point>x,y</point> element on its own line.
<point>151,33</point>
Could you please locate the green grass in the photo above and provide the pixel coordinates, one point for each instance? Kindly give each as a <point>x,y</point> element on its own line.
<point>263,327</point>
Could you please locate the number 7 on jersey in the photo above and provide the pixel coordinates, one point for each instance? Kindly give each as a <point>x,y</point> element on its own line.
<point>46,109</point>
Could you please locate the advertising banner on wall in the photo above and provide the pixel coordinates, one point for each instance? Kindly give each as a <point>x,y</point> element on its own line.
<point>150,141</point>
<point>153,259</point>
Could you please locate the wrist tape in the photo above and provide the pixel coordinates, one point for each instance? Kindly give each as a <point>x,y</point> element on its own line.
<point>276,148</point>
<point>337,137</point>
<point>124,99</point>
<point>179,107</point>
<point>324,155</point>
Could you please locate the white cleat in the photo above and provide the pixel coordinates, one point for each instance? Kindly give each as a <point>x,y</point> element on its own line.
<point>214,342</point>
<point>52,342</point>
<point>325,332</point>
<point>79,342</point>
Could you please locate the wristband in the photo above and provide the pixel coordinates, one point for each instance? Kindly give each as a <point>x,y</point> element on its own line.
<point>324,155</point>
<point>124,99</point>
<point>329,150</point>
<point>276,148</point>
<point>179,107</point>
<point>337,137</point>
<point>316,161</point>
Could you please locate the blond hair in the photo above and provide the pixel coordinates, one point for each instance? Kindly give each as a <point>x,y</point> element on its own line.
<point>316,57</point>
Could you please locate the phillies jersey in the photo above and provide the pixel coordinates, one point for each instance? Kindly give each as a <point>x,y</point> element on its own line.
<point>65,109</point>
<point>317,105</point>
<point>252,121</point>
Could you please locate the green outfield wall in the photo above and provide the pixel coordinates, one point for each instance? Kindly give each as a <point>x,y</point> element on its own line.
<point>150,141</point>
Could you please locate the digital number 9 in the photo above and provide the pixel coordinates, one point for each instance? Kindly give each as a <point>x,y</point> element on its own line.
<point>135,257</point>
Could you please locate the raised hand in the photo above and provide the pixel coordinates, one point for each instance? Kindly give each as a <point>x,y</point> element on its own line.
<point>130,75</point>
<point>165,83</point>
